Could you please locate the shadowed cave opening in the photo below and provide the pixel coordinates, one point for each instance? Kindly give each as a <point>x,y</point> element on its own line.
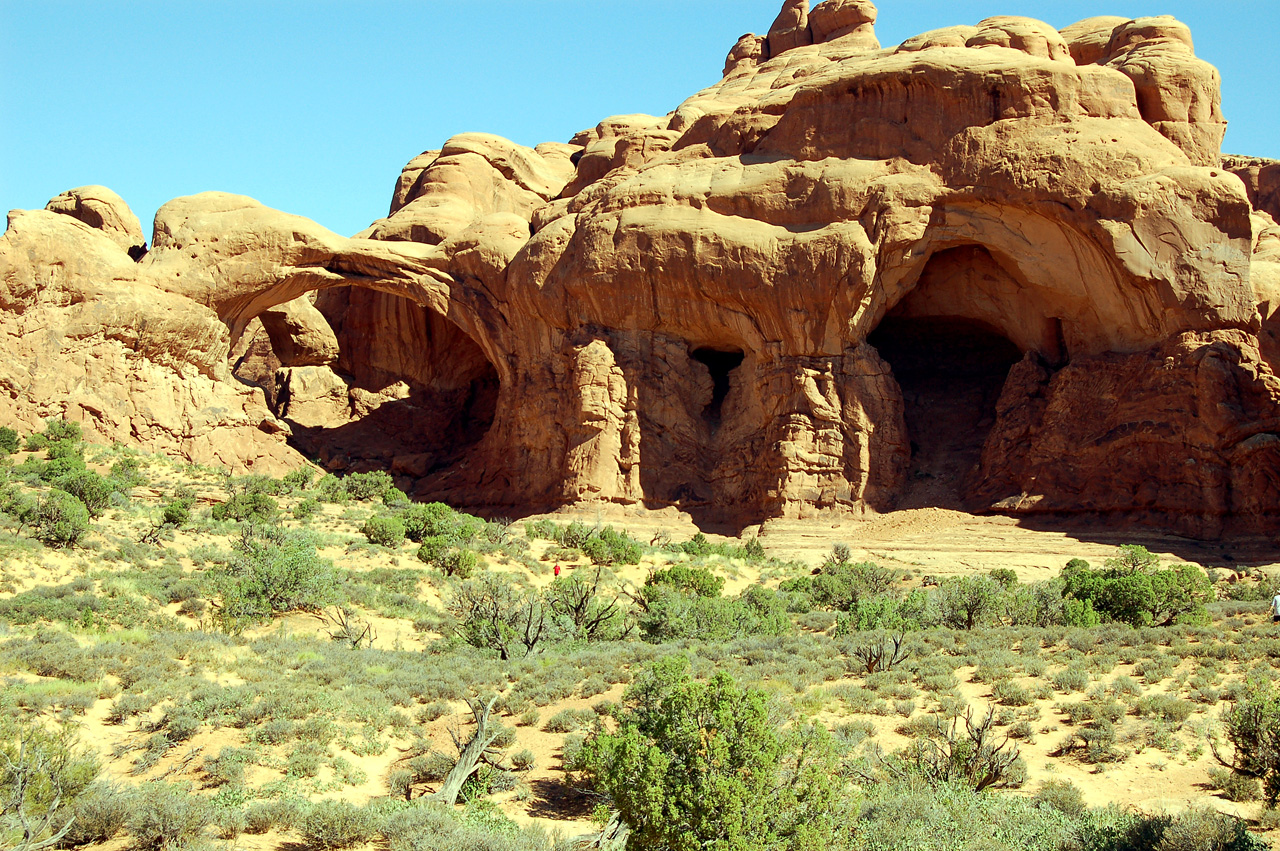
<point>951,372</point>
<point>720,363</point>
<point>420,393</point>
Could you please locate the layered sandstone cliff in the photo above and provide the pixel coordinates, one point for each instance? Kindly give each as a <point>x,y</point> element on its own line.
<point>996,266</point>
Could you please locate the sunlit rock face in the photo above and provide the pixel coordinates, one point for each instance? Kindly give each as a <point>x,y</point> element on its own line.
<point>997,267</point>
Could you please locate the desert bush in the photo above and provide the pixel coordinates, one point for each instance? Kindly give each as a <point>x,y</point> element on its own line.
<point>282,813</point>
<point>164,815</point>
<point>582,601</point>
<point>1070,679</point>
<point>372,485</point>
<point>97,814</point>
<point>523,760</point>
<point>492,612</point>
<point>965,602</point>
<point>670,614</point>
<point>227,768</point>
<point>337,824</point>
<point>9,442</point>
<point>570,721</point>
<point>257,507</point>
<point>696,580</point>
<point>275,571</point>
<point>93,491</point>
<point>1252,724</point>
<point>1010,693</point>
<point>1133,589</point>
<point>840,584</point>
<point>701,765</point>
<point>1166,706</point>
<point>952,817</point>
<point>57,519</point>
<point>700,546</point>
<point>964,751</point>
<point>42,772</point>
<point>1234,786</point>
<point>1061,795</point>
<point>608,546</point>
<point>306,508</point>
<point>1192,830</point>
<point>384,530</point>
<point>298,480</point>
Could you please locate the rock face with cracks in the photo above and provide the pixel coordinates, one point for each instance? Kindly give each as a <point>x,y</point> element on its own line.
<point>998,267</point>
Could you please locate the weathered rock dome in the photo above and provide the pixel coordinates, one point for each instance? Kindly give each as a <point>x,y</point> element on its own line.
<point>997,266</point>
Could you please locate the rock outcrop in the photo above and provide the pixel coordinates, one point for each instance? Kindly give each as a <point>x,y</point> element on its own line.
<point>997,266</point>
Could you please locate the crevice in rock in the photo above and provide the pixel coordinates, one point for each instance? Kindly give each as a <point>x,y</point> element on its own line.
<point>720,363</point>
<point>951,371</point>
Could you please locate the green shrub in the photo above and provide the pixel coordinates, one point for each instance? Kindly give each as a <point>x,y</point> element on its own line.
<point>299,479</point>
<point>91,489</point>
<point>609,546</point>
<point>257,507</point>
<point>177,511</point>
<point>8,440</point>
<point>580,599</point>
<point>900,814</point>
<point>275,571</point>
<point>371,485</point>
<point>98,814</point>
<point>163,815</point>
<point>58,519</point>
<point>55,430</point>
<point>1009,693</point>
<point>459,563</point>
<point>384,530</point>
<point>841,585</point>
<point>1061,795</point>
<point>493,613</point>
<point>282,813</point>
<point>570,720</point>
<point>965,602</point>
<point>1252,724</point>
<point>697,580</point>
<point>1234,786</point>
<point>337,824</point>
<point>435,519</point>
<point>306,509</point>
<point>42,771</point>
<point>1070,679</point>
<point>227,768</point>
<point>1166,706</point>
<point>701,765</point>
<point>126,472</point>
<point>1133,589</point>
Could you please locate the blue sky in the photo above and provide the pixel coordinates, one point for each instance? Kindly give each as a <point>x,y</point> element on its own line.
<point>314,107</point>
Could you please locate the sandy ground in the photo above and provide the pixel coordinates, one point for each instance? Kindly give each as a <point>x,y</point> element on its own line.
<point>927,541</point>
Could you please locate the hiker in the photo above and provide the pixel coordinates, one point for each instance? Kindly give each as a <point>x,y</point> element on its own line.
<point>1275,609</point>
<point>558,573</point>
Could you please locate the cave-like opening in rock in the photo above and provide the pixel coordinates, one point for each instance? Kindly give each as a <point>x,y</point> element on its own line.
<point>720,363</point>
<point>951,371</point>
<point>415,392</point>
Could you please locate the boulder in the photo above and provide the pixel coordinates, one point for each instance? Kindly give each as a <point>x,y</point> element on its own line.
<point>99,207</point>
<point>845,19</point>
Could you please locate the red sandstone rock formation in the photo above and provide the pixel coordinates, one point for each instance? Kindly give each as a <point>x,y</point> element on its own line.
<point>997,266</point>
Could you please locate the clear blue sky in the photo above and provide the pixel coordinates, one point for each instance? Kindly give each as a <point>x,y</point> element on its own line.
<point>313,107</point>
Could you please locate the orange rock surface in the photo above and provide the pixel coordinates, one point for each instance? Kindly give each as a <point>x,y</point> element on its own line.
<point>998,267</point>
